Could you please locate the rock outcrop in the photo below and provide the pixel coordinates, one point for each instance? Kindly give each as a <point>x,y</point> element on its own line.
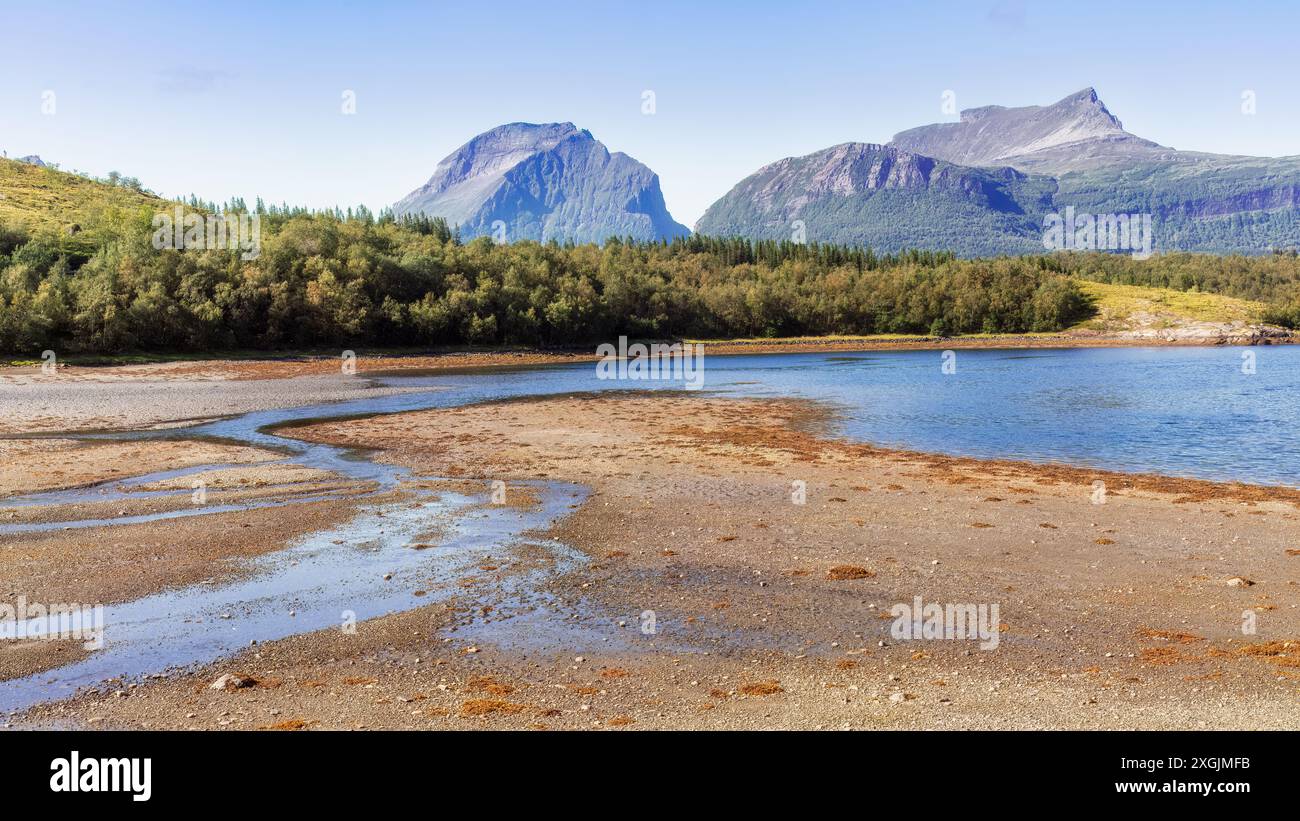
<point>544,182</point>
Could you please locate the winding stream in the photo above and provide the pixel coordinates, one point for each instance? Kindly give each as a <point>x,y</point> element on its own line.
<point>1189,412</point>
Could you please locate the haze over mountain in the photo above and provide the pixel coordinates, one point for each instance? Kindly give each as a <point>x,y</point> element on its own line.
<point>1074,152</point>
<point>549,181</point>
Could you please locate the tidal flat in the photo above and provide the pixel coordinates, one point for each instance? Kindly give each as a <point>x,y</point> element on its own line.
<point>526,548</point>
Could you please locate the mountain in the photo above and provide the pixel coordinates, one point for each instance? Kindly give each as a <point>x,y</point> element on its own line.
<point>887,198</point>
<point>550,181</point>
<point>1072,153</point>
<point>1075,133</point>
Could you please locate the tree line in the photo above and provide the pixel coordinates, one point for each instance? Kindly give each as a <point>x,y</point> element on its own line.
<point>336,279</point>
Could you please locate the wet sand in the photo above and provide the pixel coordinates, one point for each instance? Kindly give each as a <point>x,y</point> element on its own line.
<point>286,367</point>
<point>34,465</point>
<point>123,398</point>
<point>101,565</point>
<point>711,598</point>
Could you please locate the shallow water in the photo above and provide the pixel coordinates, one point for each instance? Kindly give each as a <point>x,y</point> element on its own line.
<point>1177,411</point>
<point>364,568</point>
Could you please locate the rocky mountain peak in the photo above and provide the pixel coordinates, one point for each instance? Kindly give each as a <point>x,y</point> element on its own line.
<point>496,151</point>
<point>543,181</point>
<point>1076,128</point>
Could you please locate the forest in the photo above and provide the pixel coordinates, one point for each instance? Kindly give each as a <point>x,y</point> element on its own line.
<point>336,279</point>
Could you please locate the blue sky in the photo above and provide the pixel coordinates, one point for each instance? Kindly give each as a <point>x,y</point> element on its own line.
<point>243,99</point>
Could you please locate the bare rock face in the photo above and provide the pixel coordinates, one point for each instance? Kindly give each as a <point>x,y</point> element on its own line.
<point>1075,132</point>
<point>1218,333</point>
<point>543,182</point>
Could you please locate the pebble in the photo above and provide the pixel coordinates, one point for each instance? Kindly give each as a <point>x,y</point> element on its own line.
<point>231,681</point>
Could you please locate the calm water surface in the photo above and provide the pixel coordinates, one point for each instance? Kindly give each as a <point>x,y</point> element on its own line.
<point>1177,411</point>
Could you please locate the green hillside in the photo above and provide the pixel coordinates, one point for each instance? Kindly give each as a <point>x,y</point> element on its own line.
<point>1229,205</point>
<point>81,211</point>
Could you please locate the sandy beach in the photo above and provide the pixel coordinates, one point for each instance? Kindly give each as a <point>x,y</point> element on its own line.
<point>739,565</point>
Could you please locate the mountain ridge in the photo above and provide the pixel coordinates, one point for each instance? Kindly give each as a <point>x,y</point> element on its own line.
<point>1073,152</point>
<point>1030,138</point>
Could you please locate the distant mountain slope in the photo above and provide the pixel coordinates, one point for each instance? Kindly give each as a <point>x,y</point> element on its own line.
<point>1202,202</point>
<point>1017,165</point>
<point>551,181</point>
<point>889,199</point>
